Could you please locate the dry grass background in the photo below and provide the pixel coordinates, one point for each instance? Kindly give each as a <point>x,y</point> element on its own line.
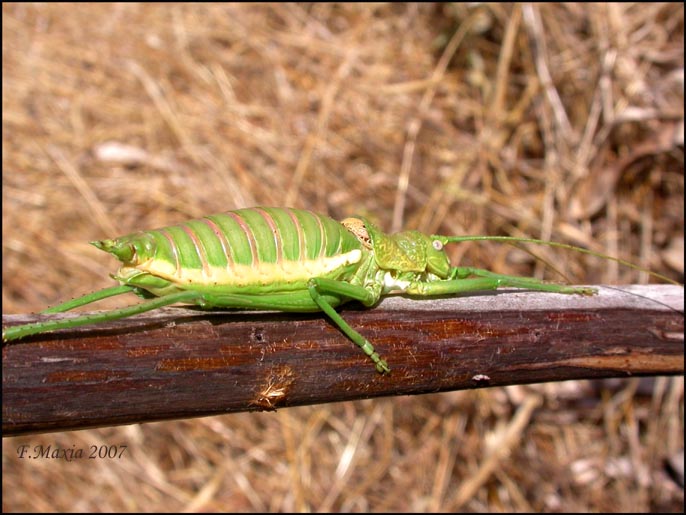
<point>553,121</point>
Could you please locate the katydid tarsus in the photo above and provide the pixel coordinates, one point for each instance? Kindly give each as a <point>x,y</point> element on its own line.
<point>288,260</point>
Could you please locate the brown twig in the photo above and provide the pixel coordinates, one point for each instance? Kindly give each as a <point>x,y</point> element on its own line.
<point>177,363</point>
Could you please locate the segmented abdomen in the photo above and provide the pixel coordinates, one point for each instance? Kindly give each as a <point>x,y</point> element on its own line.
<point>250,246</point>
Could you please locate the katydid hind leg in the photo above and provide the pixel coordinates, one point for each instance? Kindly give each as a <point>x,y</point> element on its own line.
<point>20,331</point>
<point>319,286</point>
<point>89,298</point>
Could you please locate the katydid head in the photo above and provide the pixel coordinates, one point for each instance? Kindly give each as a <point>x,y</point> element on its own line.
<point>417,252</point>
<point>437,261</point>
<point>407,251</point>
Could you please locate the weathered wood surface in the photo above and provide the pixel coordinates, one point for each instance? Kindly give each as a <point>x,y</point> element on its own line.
<point>177,363</point>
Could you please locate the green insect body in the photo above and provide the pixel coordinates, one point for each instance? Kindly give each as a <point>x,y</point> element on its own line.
<point>283,259</point>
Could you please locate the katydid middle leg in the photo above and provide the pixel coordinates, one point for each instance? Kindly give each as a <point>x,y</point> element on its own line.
<point>319,296</point>
<point>319,286</point>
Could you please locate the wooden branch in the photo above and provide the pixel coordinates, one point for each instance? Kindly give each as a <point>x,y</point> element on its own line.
<point>177,363</point>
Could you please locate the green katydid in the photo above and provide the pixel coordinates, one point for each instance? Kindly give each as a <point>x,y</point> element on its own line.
<point>288,260</point>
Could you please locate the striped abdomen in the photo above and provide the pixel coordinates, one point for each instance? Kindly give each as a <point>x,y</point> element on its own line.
<point>269,247</point>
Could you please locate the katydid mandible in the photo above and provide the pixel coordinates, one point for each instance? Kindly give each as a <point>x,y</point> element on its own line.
<point>284,259</point>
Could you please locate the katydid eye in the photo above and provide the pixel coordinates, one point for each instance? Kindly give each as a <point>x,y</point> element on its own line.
<point>437,244</point>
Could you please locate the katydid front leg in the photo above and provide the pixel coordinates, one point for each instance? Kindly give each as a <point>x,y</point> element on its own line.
<point>461,281</point>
